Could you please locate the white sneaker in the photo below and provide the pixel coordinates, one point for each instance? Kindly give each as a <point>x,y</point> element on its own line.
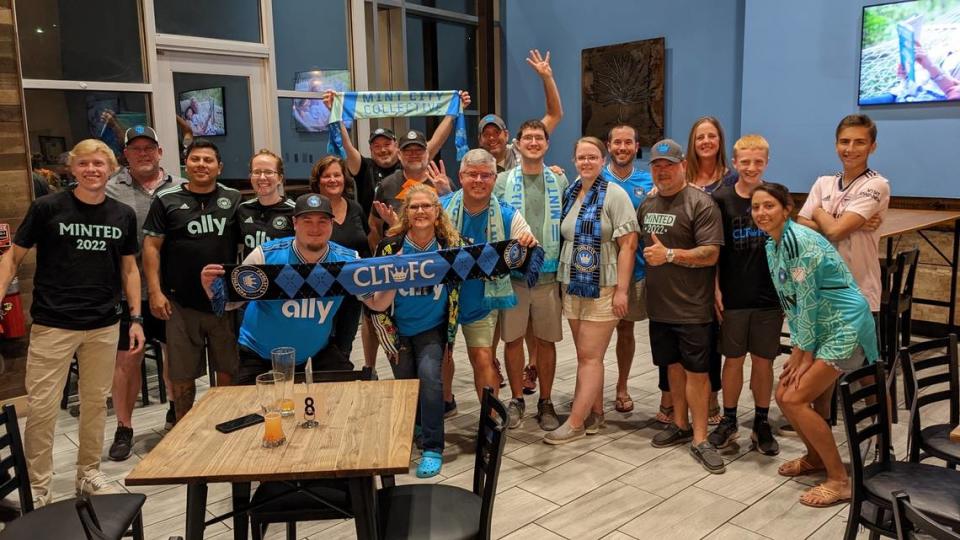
<point>95,482</point>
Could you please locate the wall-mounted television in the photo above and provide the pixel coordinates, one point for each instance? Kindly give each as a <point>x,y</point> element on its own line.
<point>203,110</point>
<point>311,115</point>
<point>910,52</point>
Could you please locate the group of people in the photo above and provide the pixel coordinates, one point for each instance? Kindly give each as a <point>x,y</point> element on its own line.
<point>708,253</point>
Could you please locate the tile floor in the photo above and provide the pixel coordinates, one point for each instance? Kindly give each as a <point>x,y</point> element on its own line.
<point>613,485</point>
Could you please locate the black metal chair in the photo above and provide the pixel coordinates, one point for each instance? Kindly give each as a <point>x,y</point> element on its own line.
<point>308,500</point>
<point>61,520</point>
<point>925,367</point>
<point>934,490</point>
<point>896,311</point>
<point>438,511</point>
<point>913,524</point>
<point>152,351</point>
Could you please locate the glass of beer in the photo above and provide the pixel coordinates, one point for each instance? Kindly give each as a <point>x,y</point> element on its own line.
<point>270,388</point>
<point>284,361</point>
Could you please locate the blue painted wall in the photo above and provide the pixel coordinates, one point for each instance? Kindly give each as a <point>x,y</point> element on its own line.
<point>703,42</point>
<point>798,77</point>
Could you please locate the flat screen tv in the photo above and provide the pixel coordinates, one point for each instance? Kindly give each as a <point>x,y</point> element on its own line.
<point>910,52</point>
<point>203,110</point>
<point>311,115</point>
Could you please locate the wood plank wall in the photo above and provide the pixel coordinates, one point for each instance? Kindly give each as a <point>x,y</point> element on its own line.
<point>16,189</point>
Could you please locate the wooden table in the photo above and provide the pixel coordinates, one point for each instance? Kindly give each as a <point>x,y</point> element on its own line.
<point>366,429</point>
<point>955,434</point>
<point>900,221</point>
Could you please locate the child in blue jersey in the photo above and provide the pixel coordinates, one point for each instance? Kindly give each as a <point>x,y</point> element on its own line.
<point>831,332</point>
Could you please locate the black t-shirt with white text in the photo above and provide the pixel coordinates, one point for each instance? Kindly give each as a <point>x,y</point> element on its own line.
<point>259,223</point>
<point>197,229</point>
<point>368,178</point>
<point>78,279</point>
<point>744,277</point>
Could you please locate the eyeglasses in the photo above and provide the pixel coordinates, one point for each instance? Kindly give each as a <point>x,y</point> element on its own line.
<point>473,175</point>
<point>588,159</point>
<point>418,207</point>
<point>265,174</point>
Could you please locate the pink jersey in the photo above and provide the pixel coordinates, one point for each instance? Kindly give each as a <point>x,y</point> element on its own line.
<point>866,195</point>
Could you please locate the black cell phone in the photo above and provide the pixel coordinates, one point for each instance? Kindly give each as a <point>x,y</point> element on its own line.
<point>240,423</point>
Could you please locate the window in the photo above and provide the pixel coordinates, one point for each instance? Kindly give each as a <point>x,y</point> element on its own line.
<point>237,20</point>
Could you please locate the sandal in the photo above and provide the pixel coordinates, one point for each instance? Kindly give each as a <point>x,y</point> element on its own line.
<point>820,496</point>
<point>665,415</point>
<point>624,404</point>
<point>529,380</point>
<point>500,380</point>
<point>430,464</point>
<point>798,467</point>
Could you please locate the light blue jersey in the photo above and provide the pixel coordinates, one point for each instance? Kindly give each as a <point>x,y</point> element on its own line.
<point>638,186</point>
<point>303,324</point>
<point>416,311</point>
<point>825,310</point>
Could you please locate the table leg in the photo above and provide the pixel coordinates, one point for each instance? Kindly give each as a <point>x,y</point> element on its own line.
<point>196,510</point>
<point>363,496</point>
<point>952,310</point>
<point>241,499</point>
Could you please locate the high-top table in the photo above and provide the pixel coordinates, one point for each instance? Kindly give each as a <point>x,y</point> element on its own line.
<point>366,430</point>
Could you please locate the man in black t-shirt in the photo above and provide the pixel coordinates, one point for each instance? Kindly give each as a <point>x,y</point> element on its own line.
<point>86,250</point>
<point>188,227</point>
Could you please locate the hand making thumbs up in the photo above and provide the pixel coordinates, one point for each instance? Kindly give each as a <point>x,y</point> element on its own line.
<point>656,253</point>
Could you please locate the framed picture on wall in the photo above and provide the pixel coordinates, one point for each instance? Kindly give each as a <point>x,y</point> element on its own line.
<point>52,147</point>
<point>623,84</point>
<point>310,115</point>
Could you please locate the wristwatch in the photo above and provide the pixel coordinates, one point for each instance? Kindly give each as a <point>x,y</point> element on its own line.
<point>670,256</point>
<point>136,319</point>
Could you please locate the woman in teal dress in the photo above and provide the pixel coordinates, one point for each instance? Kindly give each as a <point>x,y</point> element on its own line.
<point>831,332</point>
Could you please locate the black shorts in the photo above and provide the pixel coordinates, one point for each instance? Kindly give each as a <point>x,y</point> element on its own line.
<point>153,328</point>
<point>754,331</point>
<point>688,344</point>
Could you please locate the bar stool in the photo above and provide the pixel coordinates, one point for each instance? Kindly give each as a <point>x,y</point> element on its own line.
<point>896,311</point>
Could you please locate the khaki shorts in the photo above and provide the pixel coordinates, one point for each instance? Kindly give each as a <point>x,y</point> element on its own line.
<point>590,309</point>
<point>189,333</point>
<point>637,301</point>
<point>480,333</point>
<point>539,307</point>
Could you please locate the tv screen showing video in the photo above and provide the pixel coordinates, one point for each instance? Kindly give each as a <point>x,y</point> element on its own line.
<point>311,115</point>
<point>910,52</point>
<point>203,110</point>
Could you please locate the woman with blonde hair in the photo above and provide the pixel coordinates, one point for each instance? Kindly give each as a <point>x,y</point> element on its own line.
<point>417,326</point>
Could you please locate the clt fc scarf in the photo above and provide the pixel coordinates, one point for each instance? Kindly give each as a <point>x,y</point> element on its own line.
<point>348,106</point>
<point>549,236</point>
<point>249,282</point>
<point>497,293</point>
<point>585,268</point>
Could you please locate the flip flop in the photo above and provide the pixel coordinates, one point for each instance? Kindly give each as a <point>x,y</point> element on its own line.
<point>798,467</point>
<point>624,404</point>
<point>665,415</point>
<point>715,416</point>
<point>430,464</point>
<point>826,497</point>
<point>529,380</point>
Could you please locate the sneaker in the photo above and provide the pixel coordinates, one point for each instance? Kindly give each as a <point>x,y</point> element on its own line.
<point>450,408</point>
<point>515,409</point>
<point>708,456</point>
<point>763,440</point>
<point>672,436</point>
<point>564,434</point>
<point>500,380</point>
<point>122,443</point>
<point>593,423</point>
<point>171,418</point>
<point>547,415</point>
<point>724,434</point>
<point>95,482</point>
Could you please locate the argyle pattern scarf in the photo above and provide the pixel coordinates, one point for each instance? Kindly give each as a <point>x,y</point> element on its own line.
<point>585,267</point>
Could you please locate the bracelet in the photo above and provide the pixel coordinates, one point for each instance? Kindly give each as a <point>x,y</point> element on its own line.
<point>136,319</point>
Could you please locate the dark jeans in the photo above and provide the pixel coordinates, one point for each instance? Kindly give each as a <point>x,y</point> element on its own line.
<point>346,324</point>
<point>251,364</point>
<point>421,357</point>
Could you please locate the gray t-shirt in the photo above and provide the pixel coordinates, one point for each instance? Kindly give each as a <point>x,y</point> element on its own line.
<point>533,205</point>
<point>677,294</point>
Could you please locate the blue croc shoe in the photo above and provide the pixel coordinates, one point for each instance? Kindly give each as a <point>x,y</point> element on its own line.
<point>430,464</point>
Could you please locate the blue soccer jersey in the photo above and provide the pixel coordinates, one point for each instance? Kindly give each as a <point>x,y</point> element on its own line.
<point>638,186</point>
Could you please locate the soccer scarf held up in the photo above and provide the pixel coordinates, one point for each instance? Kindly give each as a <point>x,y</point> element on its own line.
<point>248,282</point>
<point>348,106</point>
<point>549,236</point>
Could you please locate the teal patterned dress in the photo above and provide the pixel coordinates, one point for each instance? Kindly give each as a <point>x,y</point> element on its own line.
<point>825,309</point>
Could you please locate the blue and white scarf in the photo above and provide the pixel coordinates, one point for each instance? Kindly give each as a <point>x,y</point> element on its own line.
<point>585,267</point>
<point>549,235</point>
<point>348,106</point>
<point>497,292</point>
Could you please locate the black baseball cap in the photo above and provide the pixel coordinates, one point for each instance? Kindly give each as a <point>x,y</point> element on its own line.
<point>667,149</point>
<point>383,132</point>
<point>139,131</point>
<point>309,203</point>
<point>413,137</point>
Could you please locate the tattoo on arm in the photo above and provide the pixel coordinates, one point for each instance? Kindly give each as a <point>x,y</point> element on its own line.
<point>697,257</point>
